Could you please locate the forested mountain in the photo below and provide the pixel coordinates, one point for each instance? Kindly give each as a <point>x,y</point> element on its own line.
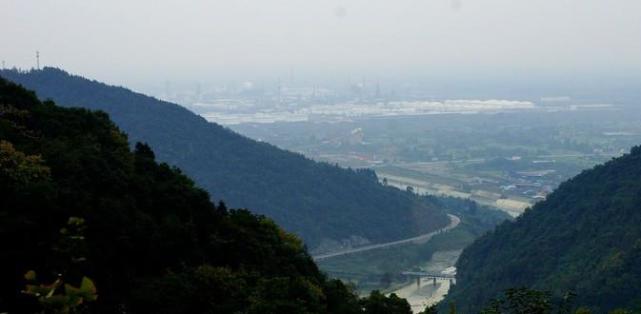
<point>88,226</point>
<point>584,239</point>
<point>314,200</point>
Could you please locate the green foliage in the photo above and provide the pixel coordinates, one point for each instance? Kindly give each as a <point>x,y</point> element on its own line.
<point>72,242</point>
<point>145,235</point>
<point>143,224</point>
<point>378,303</point>
<point>207,289</point>
<point>59,297</point>
<point>585,238</point>
<point>18,169</point>
<point>341,299</point>
<point>316,201</point>
<point>520,301</point>
<point>528,301</point>
<point>583,310</point>
<point>286,295</point>
<point>452,308</point>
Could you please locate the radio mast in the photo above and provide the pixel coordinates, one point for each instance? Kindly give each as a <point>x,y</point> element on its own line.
<point>37,60</point>
<point>280,92</point>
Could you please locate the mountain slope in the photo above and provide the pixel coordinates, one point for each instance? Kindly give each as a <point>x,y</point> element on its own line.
<point>315,200</point>
<point>78,206</point>
<point>585,238</point>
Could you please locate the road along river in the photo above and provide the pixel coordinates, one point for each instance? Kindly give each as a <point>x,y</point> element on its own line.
<point>454,221</point>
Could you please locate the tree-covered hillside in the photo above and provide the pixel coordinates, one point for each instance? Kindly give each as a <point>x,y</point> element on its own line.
<point>88,226</point>
<point>585,239</point>
<point>314,200</point>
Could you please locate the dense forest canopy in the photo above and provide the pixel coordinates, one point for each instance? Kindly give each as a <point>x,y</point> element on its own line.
<point>584,239</point>
<point>86,224</point>
<point>90,225</point>
<point>314,200</point>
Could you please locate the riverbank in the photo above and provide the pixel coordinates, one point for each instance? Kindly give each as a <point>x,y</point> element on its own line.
<point>428,292</point>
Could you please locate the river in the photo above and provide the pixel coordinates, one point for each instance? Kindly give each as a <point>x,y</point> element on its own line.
<point>430,292</point>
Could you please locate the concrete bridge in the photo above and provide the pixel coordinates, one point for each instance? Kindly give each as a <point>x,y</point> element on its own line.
<point>418,275</point>
<point>434,276</point>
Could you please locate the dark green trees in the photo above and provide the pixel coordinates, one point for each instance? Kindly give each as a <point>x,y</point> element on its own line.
<point>377,303</point>
<point>584,238</point>
<point>127,234</point>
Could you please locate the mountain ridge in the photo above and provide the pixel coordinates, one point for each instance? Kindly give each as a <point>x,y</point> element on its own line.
<point>89,225</point>
<point>318,201</point>
<point>585,239</point>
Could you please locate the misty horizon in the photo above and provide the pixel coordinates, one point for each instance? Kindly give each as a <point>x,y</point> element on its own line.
<point>143,44</point>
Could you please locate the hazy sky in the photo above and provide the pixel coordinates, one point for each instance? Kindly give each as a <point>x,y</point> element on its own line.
<point>160,39</point>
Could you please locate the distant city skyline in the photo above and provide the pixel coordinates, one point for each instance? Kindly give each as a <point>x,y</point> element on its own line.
<point>204,41</point>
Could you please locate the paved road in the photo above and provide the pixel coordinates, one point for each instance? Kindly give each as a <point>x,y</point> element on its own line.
<point>454,221</point>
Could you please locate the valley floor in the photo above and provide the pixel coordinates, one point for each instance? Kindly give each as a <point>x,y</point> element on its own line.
<point>512,206</point>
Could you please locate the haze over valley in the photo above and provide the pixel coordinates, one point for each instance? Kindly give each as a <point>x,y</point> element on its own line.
<point>322,157</point>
